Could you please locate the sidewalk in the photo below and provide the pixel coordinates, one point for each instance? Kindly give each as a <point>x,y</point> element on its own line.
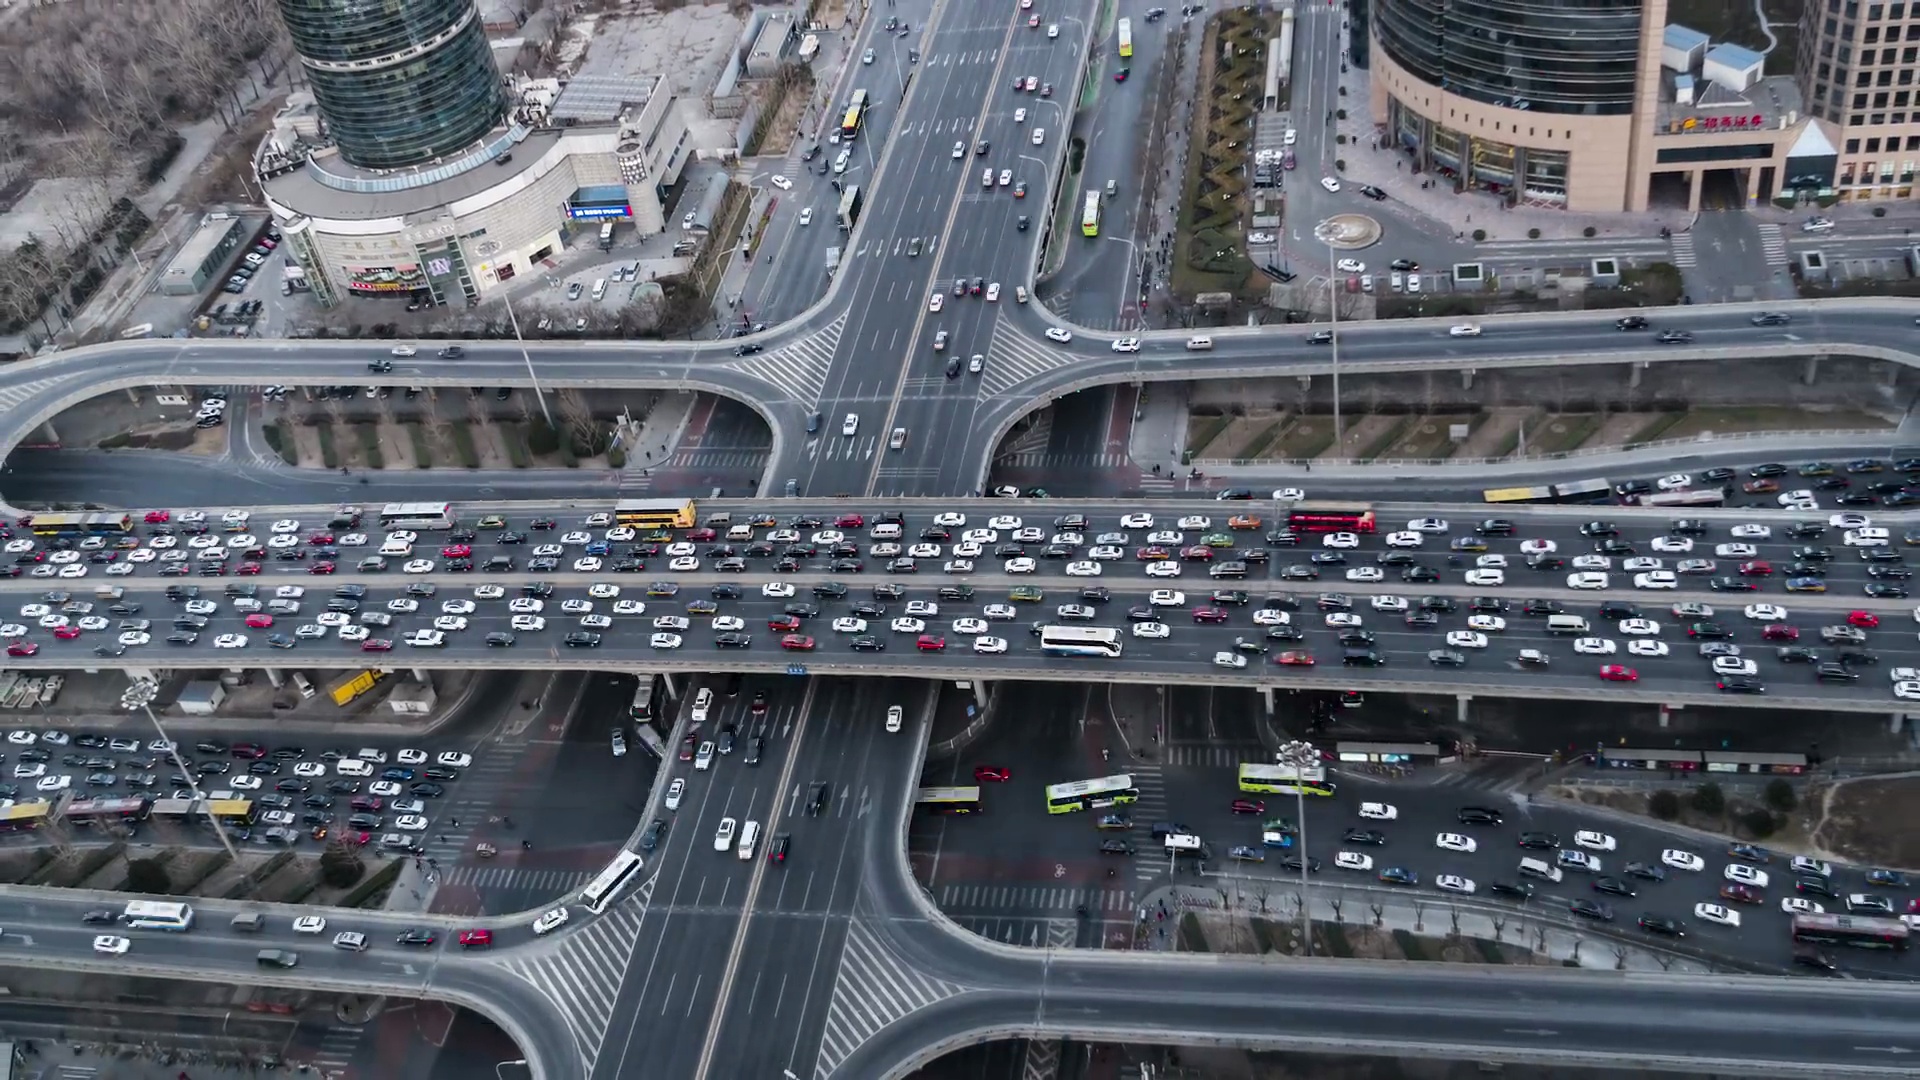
<point>92,1061</point>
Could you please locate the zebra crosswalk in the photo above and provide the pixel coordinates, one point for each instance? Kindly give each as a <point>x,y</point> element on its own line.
<point>1684,256</point>
<point>1150,860</point>
<point>1042,459</point>
<point>495,876</point>
<point>1214,754</point>
<point>982,899</point>
<point>582,971</point>
<point>1013,358</point>
<point>874,989</point>
<point>1773,244</point>
<point>11,397</point>
<point>801,368</point>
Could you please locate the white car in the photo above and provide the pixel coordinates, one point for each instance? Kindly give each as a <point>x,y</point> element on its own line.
<point>1453,883</point>
<point>576,606</point>
<point>62,783</point>
<point>1486,577</point>
<point>1593,646</point>
<point>1342,620</point>
<point>1746,875</point>
<point>1683,860</point>
<point>847,624</point>
<point>354,633</point>
<point>683,563</point>
<point>1021,565</point>
<point>1275,617</point>
<point>1102,552</point>
<point>1538,547</point>
<point>1151,630</point>
<point>1341,541</point>
<point>1167,568</point>
<point>895,715</point>
<point>969,627</point>
<point>1375,811</point>
<point>1674,482</point>
<point>1126,344</point>
<point>1849,521</point>
<point>1734,665</point>
<point>529,623</point>
<point>1455,842</point>
<point>629,607</point>
<point>989,644</point>
<point>1592,562</point>
<point>1639,626</point>
<point>1464,330</point>
<point>1866,538</point>
<point>1350,266</point>
<point>1907,690</point>
<point>1166,536</point>
<point>1647,647</point>
<point>1802,864</point>
<point>1366,574</point>
<point>1405,540</point>
<point>309,769</point>
<point>403,605</point>
<point>777,590</point>
<point>1766,613</point>
<point>1490,562</point>
<point>1488,623</point>
<point>1083,569</point>
<point>1229,660</point>
<point>1428,525</point>
<point>723,837</point>
<point>450,622</point>
<point>728,622</point>
<point>1167,598</point>
<point>1353,860</point>
<point>457,607</point>
<point>410,823</point>
<point>111,944</point>
<point>550,921</point>
<point>132,638</point>
<point>1331,184</point>
<point>906,624</point>
<point>1382,602</point>
<point>1466,639</point>
<point>1595,841</point>
<point>230,641</point>
<point>1736,551</point>
<point>1751,532</point>
<point>1142,521</point>
<point>1800,905</point>
<point>664,641</point>
<point>1587,580</point>
<point>1641,563</point>
<point>1716,913</point>
<point>1055,333</point>
<point>1673,545</point>
<point>782,183</point>
<point>1289,495</point>
<point>603,591</point>
<point>489,592</point>
<point>418,566</point>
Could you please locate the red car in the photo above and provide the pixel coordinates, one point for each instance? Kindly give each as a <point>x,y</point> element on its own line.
<point>930,643</point>
<point>687,747</point>
<point>701,535</point>
<point>157,517</point>
<point>1152,554</point>
<point>1197,553</point>
<point>1745,894</point>
<point>1210,614</point>
<point>992,774</point>
<point>248,751</point>
<point>22,648</point>
<point>784,623</point>
<point>1756,568</point>
<point>473,939</point>
<point>1780,632</point>
<point>1865,620</point>
<point>456,551</point>
<point>320,539</point>
<point>320,568</point>
<point>1294,658</point>
<point>849,521</point>
<point>247,569</point>
<point>1249,806</point>
<point>66,633</point>
<point>1618,673</point>
<point>259,620</point>
<point>376,645</point>
<point>797,643</point>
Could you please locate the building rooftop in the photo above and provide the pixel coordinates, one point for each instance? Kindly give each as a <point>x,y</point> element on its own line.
<point>213,229</point>
<point>301,191</point>
<point>602,98</point>
<point>1772,103</point>
<point>1683,37</point>
<point>1734,56</point>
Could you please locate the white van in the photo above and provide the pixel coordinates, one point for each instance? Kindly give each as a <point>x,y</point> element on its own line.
<point>1538,868</point>
<point>749,836</point>
<point>1566,624</point>
<point>303,684</point>
<point>1199,342</point>
<point>702,702</point>
<point>740,532</point>
<point>396,547</point>
<point>600,289</point>
<point>352,767</point>
<point>886,531</point>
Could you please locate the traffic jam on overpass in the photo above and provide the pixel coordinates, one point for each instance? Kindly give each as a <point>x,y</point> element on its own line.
<point>1305,594</point>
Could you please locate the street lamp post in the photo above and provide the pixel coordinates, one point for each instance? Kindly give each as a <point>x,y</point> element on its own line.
<point>1333,312</point>
<point>140,696</point>
<point>528,357</point>
<point>1301,755</point>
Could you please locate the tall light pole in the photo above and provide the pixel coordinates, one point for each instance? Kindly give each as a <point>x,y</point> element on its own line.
<point>1333,312</point>
<point>514,320</point>
<point>140,696</point>
<point>1301,755</point>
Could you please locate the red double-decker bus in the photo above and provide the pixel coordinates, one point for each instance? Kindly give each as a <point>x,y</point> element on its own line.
<point>1322,517</point>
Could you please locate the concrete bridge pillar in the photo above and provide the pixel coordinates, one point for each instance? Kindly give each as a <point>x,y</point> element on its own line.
<point>1461,701</point>
<point>1634,372</point>
<point>1266,694</point>
<point>420,675</point>
<point>981,693</point>
<point>1898,724</point>
<point>1666,715</point>
<point>673,689</point>
<point>1306,382</point>
<point>1811,371</point>
<point>1466,378</point>
<point>275,678</point>
<point>133,394</point>
<point>47,434</point>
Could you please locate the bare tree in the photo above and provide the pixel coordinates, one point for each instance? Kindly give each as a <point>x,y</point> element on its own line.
<point>1577,942</point>
<point>1666,962</point>
<point>1539,939</point>
<point>577,416</point>
<point>1620,957</point>
<point>1297,902</point>
<point>1337,902</point>
<point>1499,927</point>
<point>1261,890</point>
<point>1453,913</point>
<point>1379,912</point>
<point>1419,910</point>
<point>477,413</point>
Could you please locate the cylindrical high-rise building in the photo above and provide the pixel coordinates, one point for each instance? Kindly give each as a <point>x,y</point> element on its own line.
<point>399,82</point>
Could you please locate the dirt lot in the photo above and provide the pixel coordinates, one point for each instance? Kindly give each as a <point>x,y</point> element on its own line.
<point>1868,820</point>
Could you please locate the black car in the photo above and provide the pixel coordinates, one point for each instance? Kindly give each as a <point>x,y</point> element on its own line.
<point>1366,836</point>
<point>417,937</point>
<point>650,839</point>
<point>1539,841</point>
<point>97,917</point>
<point>1479,815</point>
<point>442,772</point>
<point>427,789</point>
<point>1420,575</point>
<point>1513,890</point>
<point>1542,607</point>
<point>1591,909</point>
<point>1771,318</point>
<point>1815,886</point>
<point>1293,865</point>
<point>1660,924</point>
<point>1098,594</point>
<point>1618,609</point>
<point>1373,193</point>
<point>867,643</point>
<point>1646,871</point>
<point>1613,886</point>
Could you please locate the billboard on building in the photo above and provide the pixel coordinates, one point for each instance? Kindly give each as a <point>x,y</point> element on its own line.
<point>385,279</point>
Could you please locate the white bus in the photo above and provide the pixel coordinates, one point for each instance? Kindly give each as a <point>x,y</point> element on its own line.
<point>1080,641</point>
<point>158,915</point>
<point>601,890</point>
<point>417,516</point>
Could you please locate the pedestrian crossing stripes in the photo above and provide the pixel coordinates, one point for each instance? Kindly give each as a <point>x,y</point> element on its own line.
<point>1214,754</point>
<point>337,1048</point>
<point>874,989</point>
<point>12,396</point>
<point>801,368</point>
<point>717,457</point>
<point>492,876</point>
<point>1150,859</point>
<point>1683,254</point>
<point>980,899</point>
<point>1043,1058</point>
<point>1773,244</point>
<point>1034,438</point>
<point>582,971</point>
<point>1013,359</point>
<point>1065,461</point>
<point>1151,483</point>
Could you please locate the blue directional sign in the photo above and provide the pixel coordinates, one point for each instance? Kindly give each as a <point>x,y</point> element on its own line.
<point>796,669</point>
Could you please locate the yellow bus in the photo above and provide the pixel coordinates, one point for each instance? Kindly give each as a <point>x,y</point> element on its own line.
<point>22,816</point>
<point>231,811</point>
<point>81,524</point>
<point>949,800</point>
<point>1284,780</point>
<point>856,115</point>
<point>1091,794</point>
<point>654,513</point>
<point>1090,215</point>
<point>1126,37</point>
